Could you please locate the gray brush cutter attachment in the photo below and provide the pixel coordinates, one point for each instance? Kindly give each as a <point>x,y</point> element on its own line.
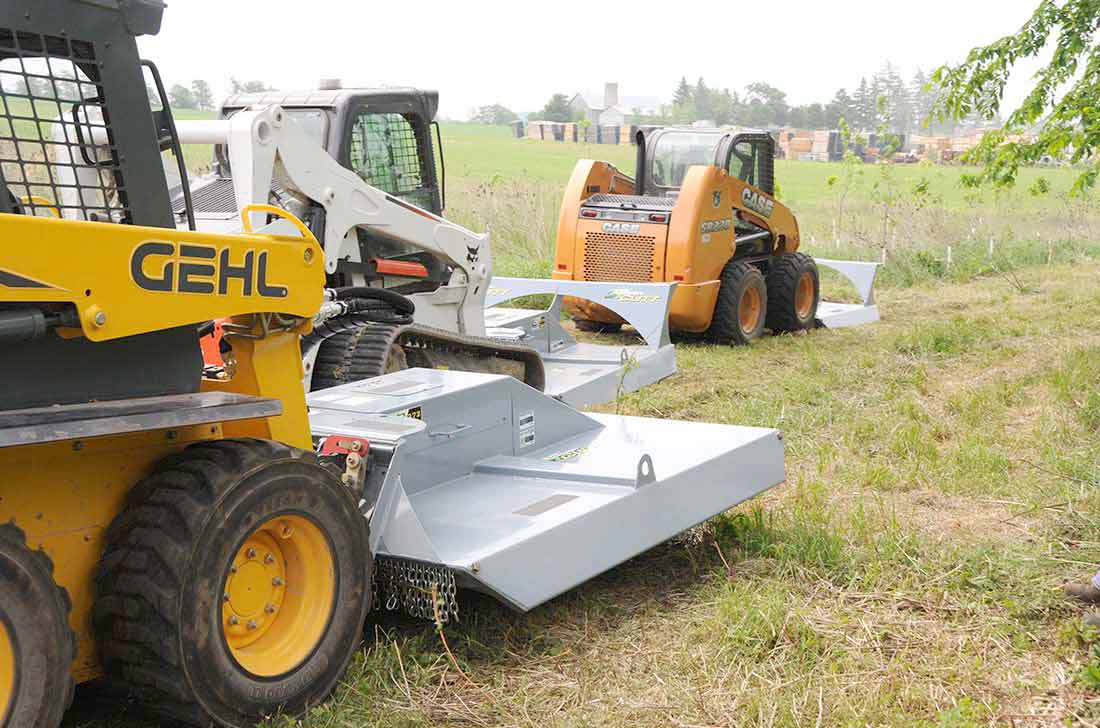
<point>479,481</point>
<point>840,315</point>
<point>585,374</point>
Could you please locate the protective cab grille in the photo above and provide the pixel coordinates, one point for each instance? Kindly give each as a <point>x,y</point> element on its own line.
<point>612,257</point>
<point>388,151</point>
<point>58,156</point>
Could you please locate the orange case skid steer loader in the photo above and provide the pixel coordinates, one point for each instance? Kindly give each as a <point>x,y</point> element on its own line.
<point>702,214</point>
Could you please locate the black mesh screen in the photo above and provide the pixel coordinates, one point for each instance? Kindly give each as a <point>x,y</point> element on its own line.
<point>57,150</point>
<point>388,152</point>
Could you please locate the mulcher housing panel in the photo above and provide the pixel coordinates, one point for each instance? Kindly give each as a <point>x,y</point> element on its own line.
<point>523,497</point>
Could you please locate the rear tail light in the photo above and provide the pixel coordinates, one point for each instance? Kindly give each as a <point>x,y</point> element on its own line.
<point>658,217</point>
<point>677,278</point>
<point>562,266</point>
<point>588,213</point>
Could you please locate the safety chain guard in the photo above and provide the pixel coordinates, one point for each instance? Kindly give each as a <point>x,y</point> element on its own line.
<point>420,590</point>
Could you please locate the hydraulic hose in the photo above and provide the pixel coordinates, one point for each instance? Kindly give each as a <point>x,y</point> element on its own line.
<point>361,305</point>
<point>400,303</point>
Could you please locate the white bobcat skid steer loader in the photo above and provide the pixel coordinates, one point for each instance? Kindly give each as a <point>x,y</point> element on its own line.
<point>358,166</point>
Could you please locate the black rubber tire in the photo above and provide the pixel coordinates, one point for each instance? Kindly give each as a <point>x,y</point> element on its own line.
<point>596,327</point>
<point>783,281</point>
<point>35,613</point>
<point>355,355</point>
<point>725,325</point>
<point>158,616</point>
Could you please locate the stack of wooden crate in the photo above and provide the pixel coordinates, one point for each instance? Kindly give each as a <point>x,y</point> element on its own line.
<point>796,143</point>
<point>820,147</point>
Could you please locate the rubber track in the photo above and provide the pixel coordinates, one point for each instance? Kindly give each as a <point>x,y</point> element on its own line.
<point>352,356</point>
<point>15,539</point>
<point>141,574</point>
<point>782,290</point>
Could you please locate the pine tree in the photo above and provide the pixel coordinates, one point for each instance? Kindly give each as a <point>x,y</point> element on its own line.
<point>841,107</point>
<point>682,97</point>
<point>923,99</point>
<point>897,111</point>
<point>704,104</point>
<point>864,102</point>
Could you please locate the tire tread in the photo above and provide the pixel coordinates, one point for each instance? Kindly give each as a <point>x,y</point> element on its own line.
<point>782,290</point>
<point>136,615</point>
<point>725,324</point>
<point>60,605</point>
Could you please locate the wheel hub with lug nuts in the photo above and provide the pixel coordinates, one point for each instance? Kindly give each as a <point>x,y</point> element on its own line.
<point>280,590</point>
<point>254,590</point>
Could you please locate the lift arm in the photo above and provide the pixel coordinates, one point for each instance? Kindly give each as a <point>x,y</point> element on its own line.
<point>266,144</point>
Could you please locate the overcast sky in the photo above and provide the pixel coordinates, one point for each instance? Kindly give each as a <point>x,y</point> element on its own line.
<point>494,51</point>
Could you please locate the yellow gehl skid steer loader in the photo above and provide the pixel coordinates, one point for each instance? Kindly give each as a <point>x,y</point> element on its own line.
<point>175,533</point>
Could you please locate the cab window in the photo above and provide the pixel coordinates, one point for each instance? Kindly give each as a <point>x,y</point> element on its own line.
<point>748,161</point>
<point>676,152</point>
<point>388,151</point>
<point>745,163</point>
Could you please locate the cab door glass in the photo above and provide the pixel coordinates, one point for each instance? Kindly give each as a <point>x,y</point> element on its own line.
<point>387,151</point>
<point>745,163</point>
<point>676,152</point>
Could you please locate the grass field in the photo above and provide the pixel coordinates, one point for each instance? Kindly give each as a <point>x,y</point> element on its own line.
<point>908,213</point>
<point>943,474</point>
<point>942,477</point>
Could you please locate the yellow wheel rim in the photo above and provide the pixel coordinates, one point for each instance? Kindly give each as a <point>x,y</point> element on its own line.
<point>804,296</point>
<point>7,672</point>
<point>279,593</point>
<point>749,310</point>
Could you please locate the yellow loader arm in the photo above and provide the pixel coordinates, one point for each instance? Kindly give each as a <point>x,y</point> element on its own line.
<point>144,279</point>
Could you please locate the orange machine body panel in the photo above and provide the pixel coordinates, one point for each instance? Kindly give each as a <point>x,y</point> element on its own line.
<point>618,241</point>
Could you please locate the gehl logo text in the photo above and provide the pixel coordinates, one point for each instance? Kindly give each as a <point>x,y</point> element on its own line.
<point>186,268</point>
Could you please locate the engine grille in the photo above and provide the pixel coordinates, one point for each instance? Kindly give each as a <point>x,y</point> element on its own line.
<point>612,257</point>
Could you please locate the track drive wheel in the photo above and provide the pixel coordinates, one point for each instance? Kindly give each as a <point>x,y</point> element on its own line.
<point>37,647</point>
<point>234,585</point>
<point>596,327</point>
<point>793,293</point>
<point>740,309</point>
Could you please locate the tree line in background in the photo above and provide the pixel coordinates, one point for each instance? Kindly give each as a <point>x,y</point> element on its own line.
<point>199,95</point>
<point>908,105</point>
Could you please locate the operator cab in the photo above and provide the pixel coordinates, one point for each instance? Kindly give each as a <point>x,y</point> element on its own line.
<point>389,138</point>
<point>666,154</point>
